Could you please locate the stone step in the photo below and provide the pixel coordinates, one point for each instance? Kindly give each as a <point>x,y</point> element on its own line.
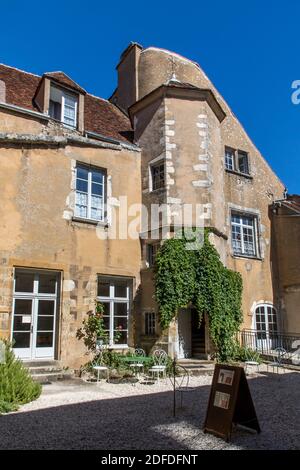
<point>41,363</point>
<point>44,370</point>
<point>49,377</point>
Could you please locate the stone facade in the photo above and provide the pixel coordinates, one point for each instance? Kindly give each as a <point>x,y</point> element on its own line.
<point>178,119</point>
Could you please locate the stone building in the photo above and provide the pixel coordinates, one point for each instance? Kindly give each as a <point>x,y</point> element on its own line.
<point>68,161</point>
<point>285,255</point>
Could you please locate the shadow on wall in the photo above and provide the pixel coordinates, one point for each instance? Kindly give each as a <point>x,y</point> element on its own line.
<point>146,421</point>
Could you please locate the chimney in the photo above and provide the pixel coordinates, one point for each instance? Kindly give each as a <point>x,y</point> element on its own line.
<point>2,92</point>
<point>127,92</point>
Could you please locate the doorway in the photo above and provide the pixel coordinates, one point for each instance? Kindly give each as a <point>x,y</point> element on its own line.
<point>198,335</point>
<point>34,320</point>
<point>191,335</point>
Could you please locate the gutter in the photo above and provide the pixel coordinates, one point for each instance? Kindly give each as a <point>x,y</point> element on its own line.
<point>28,112</point>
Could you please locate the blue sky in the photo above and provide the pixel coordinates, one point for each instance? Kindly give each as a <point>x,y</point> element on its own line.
<point>247,48</point>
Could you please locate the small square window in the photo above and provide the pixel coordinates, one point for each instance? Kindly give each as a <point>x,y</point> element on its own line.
<point>243,164</point>
<point>158,176</point>
<point>63,106</point>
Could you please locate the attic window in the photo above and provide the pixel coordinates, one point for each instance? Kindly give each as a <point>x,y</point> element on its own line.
<point>63,106</point>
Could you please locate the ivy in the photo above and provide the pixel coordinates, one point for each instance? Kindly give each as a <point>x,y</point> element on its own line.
<point>198,277</point>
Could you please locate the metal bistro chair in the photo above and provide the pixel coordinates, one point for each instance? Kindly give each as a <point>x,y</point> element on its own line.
<point>182,381</point>
<point>160,358</point>
<point>99,367</point>
<point>138,366</point>
<point>280,353</point>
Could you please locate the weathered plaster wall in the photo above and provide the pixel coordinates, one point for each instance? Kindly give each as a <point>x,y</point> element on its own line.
<point>37,230</point>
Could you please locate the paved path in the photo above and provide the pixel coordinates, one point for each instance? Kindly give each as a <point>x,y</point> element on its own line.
<point>78,415</point>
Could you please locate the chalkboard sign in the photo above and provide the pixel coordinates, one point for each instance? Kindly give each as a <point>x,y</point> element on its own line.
<point>230,402</point>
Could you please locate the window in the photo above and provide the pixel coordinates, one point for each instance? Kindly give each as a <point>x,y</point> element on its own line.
<point>229,159</point>
<point>63,106</point>
<point>114,294</point>
<point>236,160</point>
<point>149,323</point>
<point>265,321</point>
<point>243,234</point>
<point>90,193</point>
<point>152,252</point>
<point>158,176</point>
<point>243,166</point>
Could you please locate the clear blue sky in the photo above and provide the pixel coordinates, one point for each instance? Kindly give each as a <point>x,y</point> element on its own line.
<point>249,49</point>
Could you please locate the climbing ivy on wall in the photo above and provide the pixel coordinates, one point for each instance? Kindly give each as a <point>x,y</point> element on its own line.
<point>198,277</point>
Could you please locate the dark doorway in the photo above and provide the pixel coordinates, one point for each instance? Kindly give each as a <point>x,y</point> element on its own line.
<point>198,335</point>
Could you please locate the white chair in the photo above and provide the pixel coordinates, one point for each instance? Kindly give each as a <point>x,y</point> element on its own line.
<point>138,366</point>
<point>160,358</point>
<point>99,369</point>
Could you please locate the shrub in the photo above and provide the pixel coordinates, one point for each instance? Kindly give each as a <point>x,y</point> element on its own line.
<point>16,384</point>
<point>246,354</point>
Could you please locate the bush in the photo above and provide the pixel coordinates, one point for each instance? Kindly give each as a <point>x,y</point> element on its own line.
<point>246,354</point>
<point>16,384</point>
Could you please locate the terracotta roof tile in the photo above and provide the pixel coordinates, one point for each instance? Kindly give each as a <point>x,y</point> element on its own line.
<point>100,116</point>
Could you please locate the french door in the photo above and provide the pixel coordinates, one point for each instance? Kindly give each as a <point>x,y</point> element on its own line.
<point>34,314</point>
<point>266,327</point>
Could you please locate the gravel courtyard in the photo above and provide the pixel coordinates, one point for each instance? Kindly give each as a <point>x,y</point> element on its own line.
<point>79,415</point>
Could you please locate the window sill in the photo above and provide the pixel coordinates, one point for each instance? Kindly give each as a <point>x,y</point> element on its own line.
<point>254,258</point>
<point>90,221</point>
<point>157,191</point>
<point>238,173</point>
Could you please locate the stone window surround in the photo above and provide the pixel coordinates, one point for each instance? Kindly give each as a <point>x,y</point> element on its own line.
<point>235,168</point>
<point>258,230</point>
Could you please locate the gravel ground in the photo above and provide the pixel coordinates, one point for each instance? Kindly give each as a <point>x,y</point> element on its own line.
<point>79,415</point>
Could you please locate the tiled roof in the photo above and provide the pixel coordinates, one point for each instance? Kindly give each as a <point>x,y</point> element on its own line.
<point>100,116</point>
<point>294,202</point>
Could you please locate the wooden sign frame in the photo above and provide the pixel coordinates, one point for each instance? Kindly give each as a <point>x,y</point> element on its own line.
<point>230,402</point>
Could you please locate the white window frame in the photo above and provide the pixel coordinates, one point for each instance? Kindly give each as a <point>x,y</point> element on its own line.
<point>242,225</point>
<point>232,153</point>
<point>75,100</point>
<point>112,300</point>
<point>89,193</point>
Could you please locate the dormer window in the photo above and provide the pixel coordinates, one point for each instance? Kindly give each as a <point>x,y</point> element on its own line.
<point>63,106</point>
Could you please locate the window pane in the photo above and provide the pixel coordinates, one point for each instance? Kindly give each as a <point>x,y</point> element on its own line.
<point>21,340</point>
<point>120,309</point>
<point>47,283</point>
<point>120,337</point>
<point>82,185</point>
<point>19,325</point>
<point>103,289</point>
<point>97,189</point>
<point>81,211</point>
<point>106,306</point>
<point>23,307</point>
<point>24,281</point>
<point>106,323</point>
<point>229,159</point>
<point>121,289</point>
<point>44,340</point>
<point>45,323</point>
<point>243,162</point>
<point>46,307</point>
<point>97,176</point>
<point>82,173</point>
<point>120,323</point>
<point>96,214</point>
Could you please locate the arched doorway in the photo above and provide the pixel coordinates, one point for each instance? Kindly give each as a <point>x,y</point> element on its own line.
<point>266,325</point>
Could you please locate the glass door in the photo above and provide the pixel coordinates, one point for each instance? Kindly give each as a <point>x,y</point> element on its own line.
<point>34,314</point>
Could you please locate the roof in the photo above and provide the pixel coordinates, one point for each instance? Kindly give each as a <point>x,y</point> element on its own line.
<point>100,116</point>
<point>293,201</point>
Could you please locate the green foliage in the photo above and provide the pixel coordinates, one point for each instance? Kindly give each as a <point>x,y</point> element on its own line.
<point>246,354</point>
<point>175,279</point>
<point>198,277</point>
<point>16,384</point>
<point>93,329</point>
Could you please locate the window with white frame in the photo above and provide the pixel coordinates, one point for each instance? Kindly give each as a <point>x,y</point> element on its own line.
<point>63,106</point>
<point>237,160</point>
<point>265,321</point>
<point>158,175</point>
<point>243,234</point>
<point>114,294</point>
<point>229,159</point>
<point>90,193</point>
<point>149,323</point>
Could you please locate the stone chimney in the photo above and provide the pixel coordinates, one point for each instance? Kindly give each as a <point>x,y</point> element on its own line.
<point>2,92</point>
<point>127,91</point>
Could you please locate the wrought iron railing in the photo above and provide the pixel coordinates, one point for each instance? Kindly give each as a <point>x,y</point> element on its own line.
<point>266,343</point>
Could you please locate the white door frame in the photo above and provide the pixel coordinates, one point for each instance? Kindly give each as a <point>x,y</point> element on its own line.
<point>34,352</point>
